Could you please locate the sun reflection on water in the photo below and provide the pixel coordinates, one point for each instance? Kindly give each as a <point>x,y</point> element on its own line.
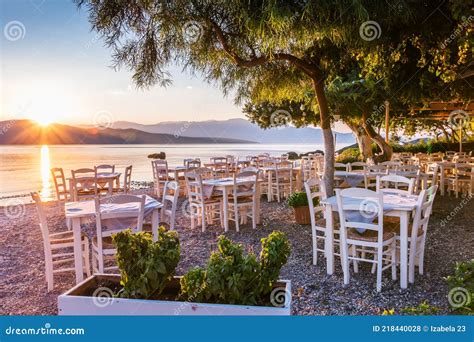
<point>46,193</point>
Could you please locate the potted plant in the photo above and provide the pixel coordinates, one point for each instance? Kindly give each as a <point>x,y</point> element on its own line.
<point>233,282</point>
<point>299,202</point>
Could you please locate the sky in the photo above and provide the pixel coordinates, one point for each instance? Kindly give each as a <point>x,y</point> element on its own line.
<point>53,68</point>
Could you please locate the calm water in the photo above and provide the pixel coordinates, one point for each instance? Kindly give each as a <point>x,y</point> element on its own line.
<point>26,168</point>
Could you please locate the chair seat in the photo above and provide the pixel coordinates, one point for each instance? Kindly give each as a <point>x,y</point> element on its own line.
<point>85,192</point>
<point>107,242</point>
<point>321,222</point>
<point>369,235</point>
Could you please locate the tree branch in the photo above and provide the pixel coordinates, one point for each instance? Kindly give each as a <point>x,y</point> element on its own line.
<point>306,67</point>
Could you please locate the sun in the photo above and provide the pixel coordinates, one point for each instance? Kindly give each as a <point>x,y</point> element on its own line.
<point>42,121</point>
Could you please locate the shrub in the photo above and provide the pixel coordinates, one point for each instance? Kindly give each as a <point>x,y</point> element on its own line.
<point>231,277</point>
<point>299,199</point>
<point>146,266</point>
<point>161,155</point>
<point>424,308</point>
<point>461,285</point>
<point>349,155</point>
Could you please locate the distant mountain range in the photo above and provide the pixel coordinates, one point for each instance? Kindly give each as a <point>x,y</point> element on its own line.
<point>236,129</point>
<point>26,132</point>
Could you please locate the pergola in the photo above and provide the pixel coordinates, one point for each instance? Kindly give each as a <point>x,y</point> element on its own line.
<point>458,113</point>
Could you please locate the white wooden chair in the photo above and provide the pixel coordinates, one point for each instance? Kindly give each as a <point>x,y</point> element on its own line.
<point>200,208</point>
<point>243,198</point>
<point>383,184</point>
<point>127,181</point>
<point>104,168</point>
<point>419,228</point>
<point>108,223</point>
<point>282,180</point>
<point>60,186</point>
<point>392,166</point>
<point>314,188</point>
<point>85,188</point>
<point>59,247</point>
<point>160,175</point>
<point>170,203</point>
<point>192,163</point>
<point>368,216</point>
<point>371,174</point>
<point>462,179</point>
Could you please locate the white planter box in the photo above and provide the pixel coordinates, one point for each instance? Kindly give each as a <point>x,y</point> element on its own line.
<point>74,302</point>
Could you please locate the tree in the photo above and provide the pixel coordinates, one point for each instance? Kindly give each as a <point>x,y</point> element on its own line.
<point>237,42</point>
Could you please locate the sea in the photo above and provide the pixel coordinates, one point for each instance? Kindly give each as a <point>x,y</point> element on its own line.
<point>26,168</point>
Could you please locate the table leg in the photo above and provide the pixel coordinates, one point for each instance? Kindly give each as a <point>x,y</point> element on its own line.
<point>155,221</point>
<point>329,241</point>
<point>226,207</point>
<point>403,249</point>
<point>76,230</point>
<point>269,188</point>
<point>71,190</point>
<point>111,187</point>
<point>441,180</point>
<point>257,204</point>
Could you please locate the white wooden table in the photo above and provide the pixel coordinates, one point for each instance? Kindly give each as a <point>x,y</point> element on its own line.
<point>84,211</point>
<point>103,177</point>
<point>225,185</point>
<point>394,205</point>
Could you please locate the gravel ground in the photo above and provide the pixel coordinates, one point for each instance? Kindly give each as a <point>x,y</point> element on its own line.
<point>23,284</point>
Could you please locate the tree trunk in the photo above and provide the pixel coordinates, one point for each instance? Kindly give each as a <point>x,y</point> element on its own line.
<point>329,148</point>
<point>363,140</point>
<point>386,149</point>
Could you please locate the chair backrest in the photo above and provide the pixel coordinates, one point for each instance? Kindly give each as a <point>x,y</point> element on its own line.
<point>376,169</point>
<point>194,187</point>
<point>391,165</point>
<point>314,188</point>
<point>360,209</point>
<point>84,180</point>
<point>105,168</point>
<point>432,170</point>
<point>218,160</point>
<point>245,184</point>
<point>118,220</point>
<point>170,202</point>
<point>250,168</point>
<point>43,223</point>
<point>357,166</point>
<point>423,211</point>
<point>384,182</point>
<point>283,171</point>
<point>341,166</point>
<point>57,174</point>
<point>160,169</point>
<point>192,163</point>
<point>127,179</point>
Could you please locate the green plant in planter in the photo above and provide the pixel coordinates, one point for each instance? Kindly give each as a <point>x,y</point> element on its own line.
<point>146,266</point>
<point>299,199</point>
<point>461,285</point>
<point>232,277</point>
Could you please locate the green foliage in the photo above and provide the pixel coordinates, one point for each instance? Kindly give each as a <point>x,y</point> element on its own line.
<point>389,312</point>
<point>349,155</point>
<point>146,266</point>
<point>298,199</point>
<point>232,277</point>
<point>463,278</point>
<point>424,308</point>
<point>431,146</point>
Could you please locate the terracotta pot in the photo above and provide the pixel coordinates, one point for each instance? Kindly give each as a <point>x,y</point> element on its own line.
<point>302,215</point>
